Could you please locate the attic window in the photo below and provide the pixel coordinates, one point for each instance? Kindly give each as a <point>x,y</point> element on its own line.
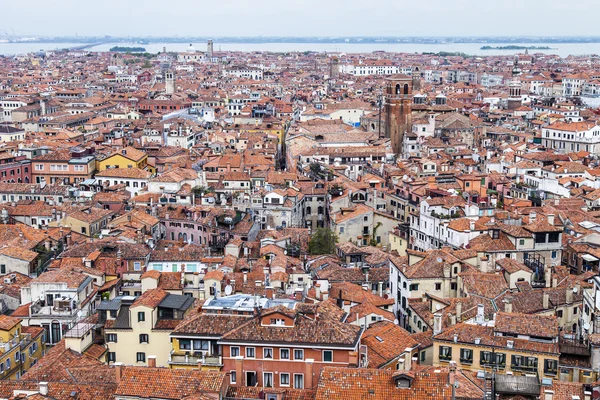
<point>403,383</point>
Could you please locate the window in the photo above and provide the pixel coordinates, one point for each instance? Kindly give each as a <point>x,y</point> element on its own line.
<point>550,367</point>
<point>137,266</point>
<point>452,285</point>
<point>500,360</point>
<point>438,286</point>
<point>554,254</point>
<point>232,377</point>
<point>559,313</point>
<point>268,353</point>
<point>140,357</point>
<point>268,379</point>
<point>112,356</point>
<point>298,381</point>
<point>553,237</point>
<point>144,338</point>
<point>298,354</point>
<point>17,356</point>
<point>445,353</point>
<point>2,269</point>
<point>141,316</point>
<point>111,337</point>
<point>466,356</point>
<point>284,354</point>
<point>234,351</point>
<point>250,352</point>
<point>485,358</point>
<point>422,355</point>
<point>328,356</point>
<point>284,379</point>
<point>521,242</point>
<point>413,287</point>
<point>8,363</point>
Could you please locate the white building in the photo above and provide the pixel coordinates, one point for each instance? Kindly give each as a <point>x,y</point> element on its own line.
<point>572,137</point>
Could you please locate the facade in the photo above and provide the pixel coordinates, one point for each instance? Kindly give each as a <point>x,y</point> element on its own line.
<point>20,347</point>
<point>136,328</point>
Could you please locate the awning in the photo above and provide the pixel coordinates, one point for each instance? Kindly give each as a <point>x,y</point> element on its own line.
<point>589,257</point>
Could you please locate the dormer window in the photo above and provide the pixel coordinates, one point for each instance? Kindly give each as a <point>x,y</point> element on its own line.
<point>278,321</point>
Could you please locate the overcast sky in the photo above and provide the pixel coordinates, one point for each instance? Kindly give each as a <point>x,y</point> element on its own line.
<point>300,17</point>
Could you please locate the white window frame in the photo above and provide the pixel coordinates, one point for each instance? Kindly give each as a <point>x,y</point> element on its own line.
<point>253,351</point>
<point>288,379</point>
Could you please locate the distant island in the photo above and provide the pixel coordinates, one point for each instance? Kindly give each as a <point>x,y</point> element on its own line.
<point>128,49</point>
<point>515,47</point>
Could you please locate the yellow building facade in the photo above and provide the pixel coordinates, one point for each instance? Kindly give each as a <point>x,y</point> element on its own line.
<point>20,347</point>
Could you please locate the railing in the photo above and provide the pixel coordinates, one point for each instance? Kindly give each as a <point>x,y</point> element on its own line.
<point>568,346</point>
<point>196,359</point>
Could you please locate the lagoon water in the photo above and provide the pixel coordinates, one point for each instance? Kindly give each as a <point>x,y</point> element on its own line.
<point>561,49</point>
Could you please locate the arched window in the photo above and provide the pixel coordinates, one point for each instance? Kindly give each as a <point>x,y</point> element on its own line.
<point>308,210</point>
<point>180,236</point>
<point>406,88</point>
<point>398,88</point>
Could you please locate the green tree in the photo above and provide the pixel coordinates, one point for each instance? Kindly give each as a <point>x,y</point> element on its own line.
<point>322,242</point>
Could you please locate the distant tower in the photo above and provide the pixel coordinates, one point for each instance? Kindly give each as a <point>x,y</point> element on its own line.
<point>209,49</point>
<point>398,120</point>
<point>514,97</point>
<point>170,82</point>
<point>334,66</point>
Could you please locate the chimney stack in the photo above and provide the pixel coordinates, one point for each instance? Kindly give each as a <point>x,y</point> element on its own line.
<point>44,388</point>
<point>437,323</point>
<point>118,371</point>
<point>484,265</point>
<point>480,319</point>
<point>152,361</point>
<point>459,311</point>
<point>545,300</point>
<point>551,219</point>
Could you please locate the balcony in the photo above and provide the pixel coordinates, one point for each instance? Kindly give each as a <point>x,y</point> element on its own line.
<point>195,359</point>
<point>573,347</point>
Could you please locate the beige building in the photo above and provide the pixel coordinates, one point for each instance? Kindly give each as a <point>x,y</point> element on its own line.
<point>138,327</point>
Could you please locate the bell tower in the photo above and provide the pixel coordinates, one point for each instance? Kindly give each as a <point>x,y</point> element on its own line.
<point>514,98</point>
<point>398,120</point>
<point>169,82</point>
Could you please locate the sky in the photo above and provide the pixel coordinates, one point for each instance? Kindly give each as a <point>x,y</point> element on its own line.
<point>300,17</point>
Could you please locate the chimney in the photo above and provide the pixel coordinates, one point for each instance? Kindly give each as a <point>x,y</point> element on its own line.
<point>318,291</point>
<point>459,311</point>
<point>270,292</point>
<point>551,219</point>
<point>44,388</point>
<point>245,277</point>
<point>437,323</point>
<point>471,225</point>
<point>548,394</point>
<point>597,324</point>
<point>239,371</point>
<point>508,304</point>
<point>152,361</point>
<point>484,265</point>
<point>569,298</point>
<point>532,217</point>
<point>480,319</point>
<point>545,300</point>
<point>309,373</point>
<point>118,371</point>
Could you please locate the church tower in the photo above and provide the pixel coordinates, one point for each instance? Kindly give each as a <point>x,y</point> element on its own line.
<point>334,66</point>
<point>514,97</point>
<point>169,82</point>
<point>209,49</point>
<point>398,120</point>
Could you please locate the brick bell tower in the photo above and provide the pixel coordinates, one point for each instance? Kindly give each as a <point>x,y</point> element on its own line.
<point>398,120</point>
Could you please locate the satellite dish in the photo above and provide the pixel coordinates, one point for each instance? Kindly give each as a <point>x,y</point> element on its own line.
<point>396,322</point>
<point>586,326</point>
<point>439,259</point>
<point>228,290</point>
<point>575,289</point>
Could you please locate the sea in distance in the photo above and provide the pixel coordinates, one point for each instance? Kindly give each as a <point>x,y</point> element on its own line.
<point>561,49</point>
